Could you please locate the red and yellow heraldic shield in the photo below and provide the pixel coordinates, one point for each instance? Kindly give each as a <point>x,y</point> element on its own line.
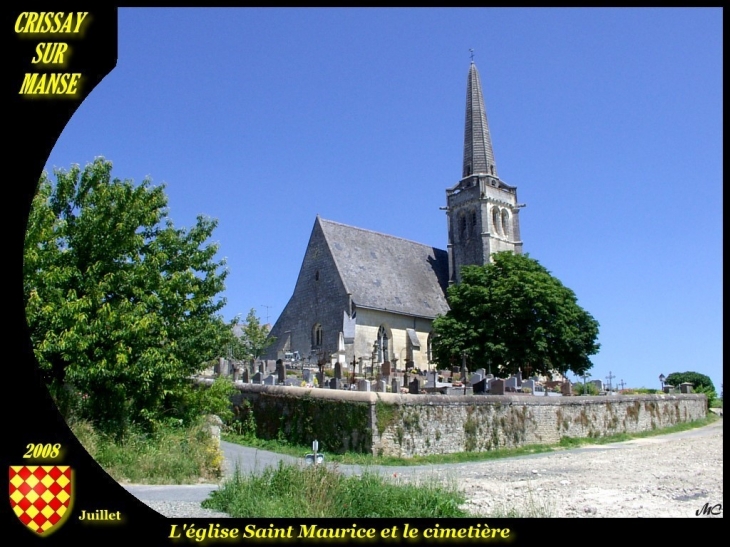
<point>41,495</point>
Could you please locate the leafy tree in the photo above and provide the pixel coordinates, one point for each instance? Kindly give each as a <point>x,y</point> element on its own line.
<point>700,384</point>
<point>121,305</point>
<point>513,313</point>
<point>252,340</point>
<point>695,378</point>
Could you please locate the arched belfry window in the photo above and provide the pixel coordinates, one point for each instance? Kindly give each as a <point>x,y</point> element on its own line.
<point>317,336</point>
<point>383,345</point>
<point>505,223</point>
<point>473,222</point>
<point>496,220</point>
<point>462,227</point>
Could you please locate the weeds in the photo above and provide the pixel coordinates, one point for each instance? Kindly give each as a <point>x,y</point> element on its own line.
<point>322,491</point>
<point>171,455</point>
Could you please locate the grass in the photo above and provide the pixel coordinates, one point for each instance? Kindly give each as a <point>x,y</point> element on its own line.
<point>571,442</point>
<point>174,455</point>
<point>322,491</point>
<point>355,458</point>
<point>352,458</point>
<point>532,507</point>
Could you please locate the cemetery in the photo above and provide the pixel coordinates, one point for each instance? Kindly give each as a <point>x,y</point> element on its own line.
<point>437,412</point>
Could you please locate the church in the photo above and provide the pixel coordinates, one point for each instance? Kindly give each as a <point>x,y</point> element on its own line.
<point>367,299</point>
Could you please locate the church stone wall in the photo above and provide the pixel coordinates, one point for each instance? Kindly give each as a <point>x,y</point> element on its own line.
<point>409,425</point>
<point>366,332</point>
<point>319,298</point>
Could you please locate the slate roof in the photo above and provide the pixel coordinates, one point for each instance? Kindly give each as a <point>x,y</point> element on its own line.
<point>389,273</point>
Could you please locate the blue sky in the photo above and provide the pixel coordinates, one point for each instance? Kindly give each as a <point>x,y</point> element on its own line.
<point>608,121</point>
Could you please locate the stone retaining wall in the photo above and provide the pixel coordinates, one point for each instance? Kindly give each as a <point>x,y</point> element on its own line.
<point>409,425</point>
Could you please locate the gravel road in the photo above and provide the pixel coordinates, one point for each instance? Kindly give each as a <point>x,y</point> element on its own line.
<point>665,476</point>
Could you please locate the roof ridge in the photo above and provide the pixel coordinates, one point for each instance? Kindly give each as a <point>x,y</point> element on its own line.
<point>378,233</point>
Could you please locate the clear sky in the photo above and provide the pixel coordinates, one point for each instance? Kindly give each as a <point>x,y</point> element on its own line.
<point>608,121</point>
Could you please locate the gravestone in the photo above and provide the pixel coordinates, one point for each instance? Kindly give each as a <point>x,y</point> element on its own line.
<point>414,387</point>
<point>338,371</point>
<point>307,375</point>
<point>480,387</point>
<point>280,371</point>
<point>566,389</point>
<point>245,376</point>
<point>510,382</point>
<point>476,377</point>
<point>496,386</point>
<point>223,368</point>
<point>257,378</point>
<point>483,372</point>
<point>320,379</point>
<point>395,386</point>
<point>335,383</point>
<point>385,369</point>
<point>270,380</point>
<point>382,386</point>
<point>363,385</point>
<point>236,373</point>
<point>528,384</point>
<point>519,377</point>
<point>261,368</point>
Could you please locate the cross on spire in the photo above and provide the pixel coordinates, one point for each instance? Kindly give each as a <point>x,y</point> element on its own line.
<point>471,51</point>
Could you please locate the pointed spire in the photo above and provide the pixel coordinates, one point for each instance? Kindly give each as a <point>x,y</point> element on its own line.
<point>478,153</point>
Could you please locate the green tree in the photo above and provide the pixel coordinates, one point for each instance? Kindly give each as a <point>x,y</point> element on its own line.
<point>121,305</point>
<point>695,378</point>
<point>252,338</point>
<point>513,313</point>
<point>700,384</point>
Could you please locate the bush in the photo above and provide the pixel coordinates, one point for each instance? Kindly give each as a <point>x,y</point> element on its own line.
<point>170,455</point>
<point>589,389</point>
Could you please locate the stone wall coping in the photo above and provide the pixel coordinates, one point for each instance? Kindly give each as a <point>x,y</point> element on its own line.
<point>433,399</point>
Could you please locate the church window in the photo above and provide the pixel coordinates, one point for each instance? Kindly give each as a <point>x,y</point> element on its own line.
<point>505,223</point>
<point>474,222</point>
<point>496,220</point>
<point>317,336</point>
<point>383,345</point>
<point>462,227</point>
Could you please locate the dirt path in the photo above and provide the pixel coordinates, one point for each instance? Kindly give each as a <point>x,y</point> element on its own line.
<point>664,476</point>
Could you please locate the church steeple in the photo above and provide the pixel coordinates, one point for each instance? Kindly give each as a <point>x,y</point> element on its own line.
<point>482,209</point>
<point>478,153</point>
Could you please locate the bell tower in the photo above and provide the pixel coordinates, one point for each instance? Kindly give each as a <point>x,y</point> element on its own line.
<point>482,210</point>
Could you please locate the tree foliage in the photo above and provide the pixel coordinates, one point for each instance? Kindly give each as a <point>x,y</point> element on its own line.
<point>513,313</point>
<point>121,305</point>
<point>251,339</point>
<point>700,382</point>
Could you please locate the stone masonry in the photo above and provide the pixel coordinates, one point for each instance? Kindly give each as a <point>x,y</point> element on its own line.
<point>409,425</point>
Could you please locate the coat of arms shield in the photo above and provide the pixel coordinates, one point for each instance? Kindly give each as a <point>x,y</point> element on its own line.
<point>41,495</point>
